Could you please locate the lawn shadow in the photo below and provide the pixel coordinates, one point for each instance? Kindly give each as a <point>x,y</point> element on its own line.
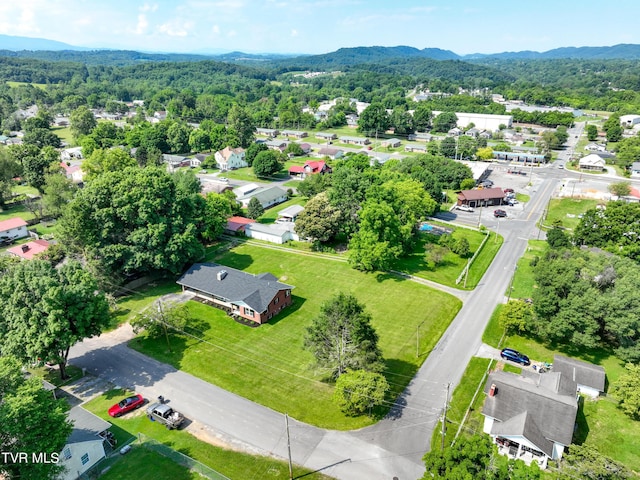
<point>400,375</point>
<point>283,314</point>
<point>235,260</point>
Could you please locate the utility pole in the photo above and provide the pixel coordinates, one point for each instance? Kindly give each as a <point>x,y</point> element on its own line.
<point>444,417</point>
<point>286,419</point>
<point>164,323</point>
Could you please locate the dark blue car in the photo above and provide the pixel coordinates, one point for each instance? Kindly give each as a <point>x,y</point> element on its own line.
<point>515,356</point>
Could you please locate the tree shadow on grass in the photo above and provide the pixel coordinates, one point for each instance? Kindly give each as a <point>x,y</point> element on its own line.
<point>399,374</point>
<point>235,260</point>
<point>283,314</point>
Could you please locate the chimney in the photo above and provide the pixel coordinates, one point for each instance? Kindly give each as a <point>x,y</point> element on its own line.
<point>493,390</point>
<point>25,248</point>
<point>221,274</point>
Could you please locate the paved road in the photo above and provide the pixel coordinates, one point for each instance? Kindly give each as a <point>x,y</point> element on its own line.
<point>392,448</point>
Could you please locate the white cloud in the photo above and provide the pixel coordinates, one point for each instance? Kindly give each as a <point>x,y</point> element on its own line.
<point>294,33</point>
<point>216,29</point>
<point>143,24</point>
<point>176,29</point>
<point>149,8</point>
<point>232,33</point>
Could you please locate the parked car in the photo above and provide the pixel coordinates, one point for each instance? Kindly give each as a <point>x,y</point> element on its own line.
<point>561,166</point>
<point>164,414</point>
<point>464,208</point>
<point>499,213</point>
<point>222,179</point>
<point>512,201</point>
<point>508,190</point>
<point>486,183</point>
<point>515,356</point>
<point>126,405</point>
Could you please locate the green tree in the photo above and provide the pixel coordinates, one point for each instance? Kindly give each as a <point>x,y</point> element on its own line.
<point>313,185</point>
<point>586,462</point>
<point>627,390</point>
<point>294,149</point>
<point>267,163</point>
<point>35,169</point>
<point>45,310</point>
<point>358,391</point>
<point>161,319</point>
<point>242,124</point>
<point>218,210</point>
<point>422,115</point>
<point>467,184</point>
<point>445,122</point>
<point>9,169</point>
<point>253,150</point>
<point>620,189</point>
<point>341,337</point>
<point>199,141</point>
<point>401,121</point>
<point>82,122</point>
<point>515,317</point>
<point>592,132</point>
<point>103,161</point>
<point>178,137</point>
<point>378,242</point>
<point>319,221</point>
<point>556,238</point>
<point>255,208</point>
<point>449,147</point>
<point>475,457</point>
<point>135,220</point>
<point>57,193</point>
<point>42,137</point>
<point>485,153</point>
<point>31,421</point>
<point>374,119</point>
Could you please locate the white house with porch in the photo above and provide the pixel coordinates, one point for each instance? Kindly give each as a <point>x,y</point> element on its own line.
<point>230,158</point>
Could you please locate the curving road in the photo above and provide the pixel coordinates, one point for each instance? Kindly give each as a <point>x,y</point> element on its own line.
<point>393,448</point>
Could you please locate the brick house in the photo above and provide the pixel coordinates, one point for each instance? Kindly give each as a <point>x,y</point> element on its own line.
<point>253,297</point>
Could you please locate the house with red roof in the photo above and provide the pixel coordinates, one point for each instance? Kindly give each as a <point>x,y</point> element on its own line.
<point>235,225</point>
<point>13,228</point>
<point>73,172</point>
<point>311,167</point>
<point>29,250</point>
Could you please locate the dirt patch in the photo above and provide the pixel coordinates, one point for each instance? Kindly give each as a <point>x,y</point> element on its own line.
<point>204,433</point>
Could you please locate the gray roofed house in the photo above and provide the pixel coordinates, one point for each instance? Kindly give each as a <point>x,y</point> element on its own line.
<point>586,377</point>
<point>635,169</point>
<point>254,297</point>
<point>289,214</point>
<point>267,196</point>
<point>530,417</point>
<point>85,446</point>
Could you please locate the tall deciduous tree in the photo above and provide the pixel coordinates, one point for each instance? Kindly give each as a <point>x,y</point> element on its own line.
<point>102,161</point>
<point>44,311</point>
<point>135,221</point>
<point>242,124</point>
<point>592,132</point>
<point>341,337</point>
<point>627,389</point>
<point>9,169</point>
<point>445,122</point>
<point>31,421</point>
<point>267,163</point>
<point>82,122</point>
<point>374,119</point>
<point>217,210</point>
<point>319,221</point>
<point>57,193</point>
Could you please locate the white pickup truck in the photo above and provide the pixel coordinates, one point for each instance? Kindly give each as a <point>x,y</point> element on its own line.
<point>160,412</point>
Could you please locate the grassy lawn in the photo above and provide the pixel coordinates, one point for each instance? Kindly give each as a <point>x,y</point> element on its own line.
<point>460,401</point>
<point>65,134</point>
<point>259,361</point>
<point>13,211</point>
<point>522,197</point>
<point>270,215</point>
<point>234,465</point>
<point>566,211</point>
<point>143,464</point>
<point>523,283</point>
<point>246,174</point>
<point>130,306</point>
<point>449,268</point>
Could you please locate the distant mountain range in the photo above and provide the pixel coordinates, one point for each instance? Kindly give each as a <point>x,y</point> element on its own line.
<point>355,55</point>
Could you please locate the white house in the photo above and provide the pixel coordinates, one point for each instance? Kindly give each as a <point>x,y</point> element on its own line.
<point>85,446</point>
<point>13,228</point>
<point>230,158</point>
<point>275,233</point>
<point>69,154</point>
<point>73,172</point>
<point>592,162</point>
<point>589,378</point>
<point>267,196</point>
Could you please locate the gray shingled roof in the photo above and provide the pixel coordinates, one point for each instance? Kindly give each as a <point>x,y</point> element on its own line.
<point>523,424</point>
<point>582,373</point>
<point>86,425</point>
<point>265,194</point>
<point>256,291</point>
<point>553,413</point>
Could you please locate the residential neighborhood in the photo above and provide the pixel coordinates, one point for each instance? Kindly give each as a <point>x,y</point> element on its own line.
<point>337,266</point>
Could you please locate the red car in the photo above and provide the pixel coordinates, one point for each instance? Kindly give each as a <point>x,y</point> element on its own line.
<point>126,405</point>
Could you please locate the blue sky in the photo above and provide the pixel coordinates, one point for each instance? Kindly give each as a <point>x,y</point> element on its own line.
<point>319,26</point>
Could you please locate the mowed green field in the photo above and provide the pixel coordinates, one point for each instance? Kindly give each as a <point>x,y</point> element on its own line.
<point>270,365</point>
